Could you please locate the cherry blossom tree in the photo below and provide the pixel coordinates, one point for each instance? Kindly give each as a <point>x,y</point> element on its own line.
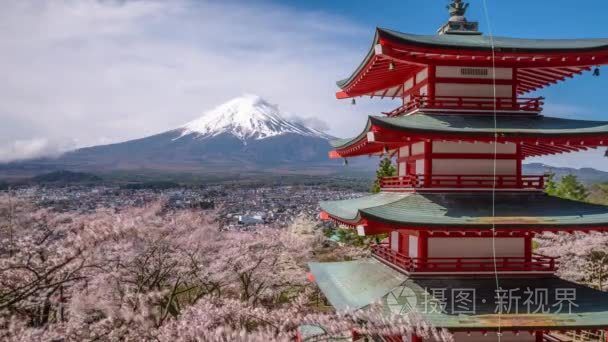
<point>152,274</point>
<point>583,256</point>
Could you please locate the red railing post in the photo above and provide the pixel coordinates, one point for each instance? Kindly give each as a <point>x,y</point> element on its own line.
<point>482,264</point>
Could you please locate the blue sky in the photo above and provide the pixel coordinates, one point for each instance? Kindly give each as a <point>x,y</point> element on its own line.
<point>88,72</point>
<point>582,97</point>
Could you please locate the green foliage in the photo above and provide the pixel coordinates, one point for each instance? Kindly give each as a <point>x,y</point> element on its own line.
<point>535,245</point>
<point>568,187</point>
<point>328,232</point>
<point>350,237</point>
<point>550,184</point>
<point>385,169</point>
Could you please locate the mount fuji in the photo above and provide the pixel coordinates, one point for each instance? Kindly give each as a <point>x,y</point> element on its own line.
<point>247,118</point>
<point>246,134</point>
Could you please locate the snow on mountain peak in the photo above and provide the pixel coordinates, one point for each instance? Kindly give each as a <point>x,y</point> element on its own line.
<point>246,117</point>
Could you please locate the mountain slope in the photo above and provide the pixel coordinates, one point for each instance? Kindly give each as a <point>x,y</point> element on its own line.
<point>585,175</point>
<point>246,134</point>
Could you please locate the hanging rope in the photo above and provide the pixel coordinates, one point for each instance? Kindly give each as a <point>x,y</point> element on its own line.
<point>494,171</point>
<point>10,221</point>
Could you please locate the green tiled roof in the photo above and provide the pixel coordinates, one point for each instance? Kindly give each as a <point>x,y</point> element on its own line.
<point>503,44</point>
<point>513,209</point>
<point>483,125</point>
<point>480,42</point>
<point>347,286</point>
<point>349,209</point>
<point>354,285</point>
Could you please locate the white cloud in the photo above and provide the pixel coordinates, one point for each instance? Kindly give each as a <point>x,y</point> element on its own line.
<point>89,70</point>
<point>31,148</point>
<point>311,122</point>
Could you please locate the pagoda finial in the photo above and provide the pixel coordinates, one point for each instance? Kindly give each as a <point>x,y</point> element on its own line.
<point>458,24</point>
<point>457,10</point>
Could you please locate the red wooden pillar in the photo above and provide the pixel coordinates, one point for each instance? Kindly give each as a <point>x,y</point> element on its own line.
<point>539,336</point>
<point>519,161</point>
<point>428,163</point>
<point>431,83</point>
<point>423,250</point>
<point>514,88</point>
<point>528,248</point>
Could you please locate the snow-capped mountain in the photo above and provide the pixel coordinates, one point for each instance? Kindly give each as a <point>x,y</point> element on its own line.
<point>246,117</point>
<point>246,134</point>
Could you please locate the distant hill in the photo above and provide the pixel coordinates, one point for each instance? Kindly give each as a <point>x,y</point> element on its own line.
<point>585,175</point>
<point>244,135</point>
<point>66,177</point>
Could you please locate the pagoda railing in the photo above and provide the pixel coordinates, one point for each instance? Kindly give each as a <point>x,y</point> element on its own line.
<point>534,182</point>
<point>463,103</point>
<point>537,263</point>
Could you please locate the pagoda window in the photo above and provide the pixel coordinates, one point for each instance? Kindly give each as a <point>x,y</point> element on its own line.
<point>395,241</point>
<point>412,246</point>
<point>402,167</point>
<point>409,84</point>
<point>400,242</point>
<point>424,90</point>
<point>417,148</point>
<point>422,75</point>
<point>420,167</point>
<point>470,72</point>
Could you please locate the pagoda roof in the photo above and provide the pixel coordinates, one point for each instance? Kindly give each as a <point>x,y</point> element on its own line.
<point>505,44</point>
<point>456,211</point>
<point>357,284</point>
<point>554,59</point>
<point>514,128</point>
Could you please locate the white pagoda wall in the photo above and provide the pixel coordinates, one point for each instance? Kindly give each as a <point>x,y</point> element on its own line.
<point>469,147</point>
<point>473,90</point>
<point>474,167</point>
<point>456,166</point>
<point>467,89</point>
<point>483,164</point>
<point>475,247</point>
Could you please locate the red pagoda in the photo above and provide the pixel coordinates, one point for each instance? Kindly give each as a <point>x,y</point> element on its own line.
<point>460,215</point>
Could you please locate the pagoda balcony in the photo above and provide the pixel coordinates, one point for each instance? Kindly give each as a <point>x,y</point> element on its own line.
<point>412,182</point>
<point>470,104</point>
<point>535,264</point>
